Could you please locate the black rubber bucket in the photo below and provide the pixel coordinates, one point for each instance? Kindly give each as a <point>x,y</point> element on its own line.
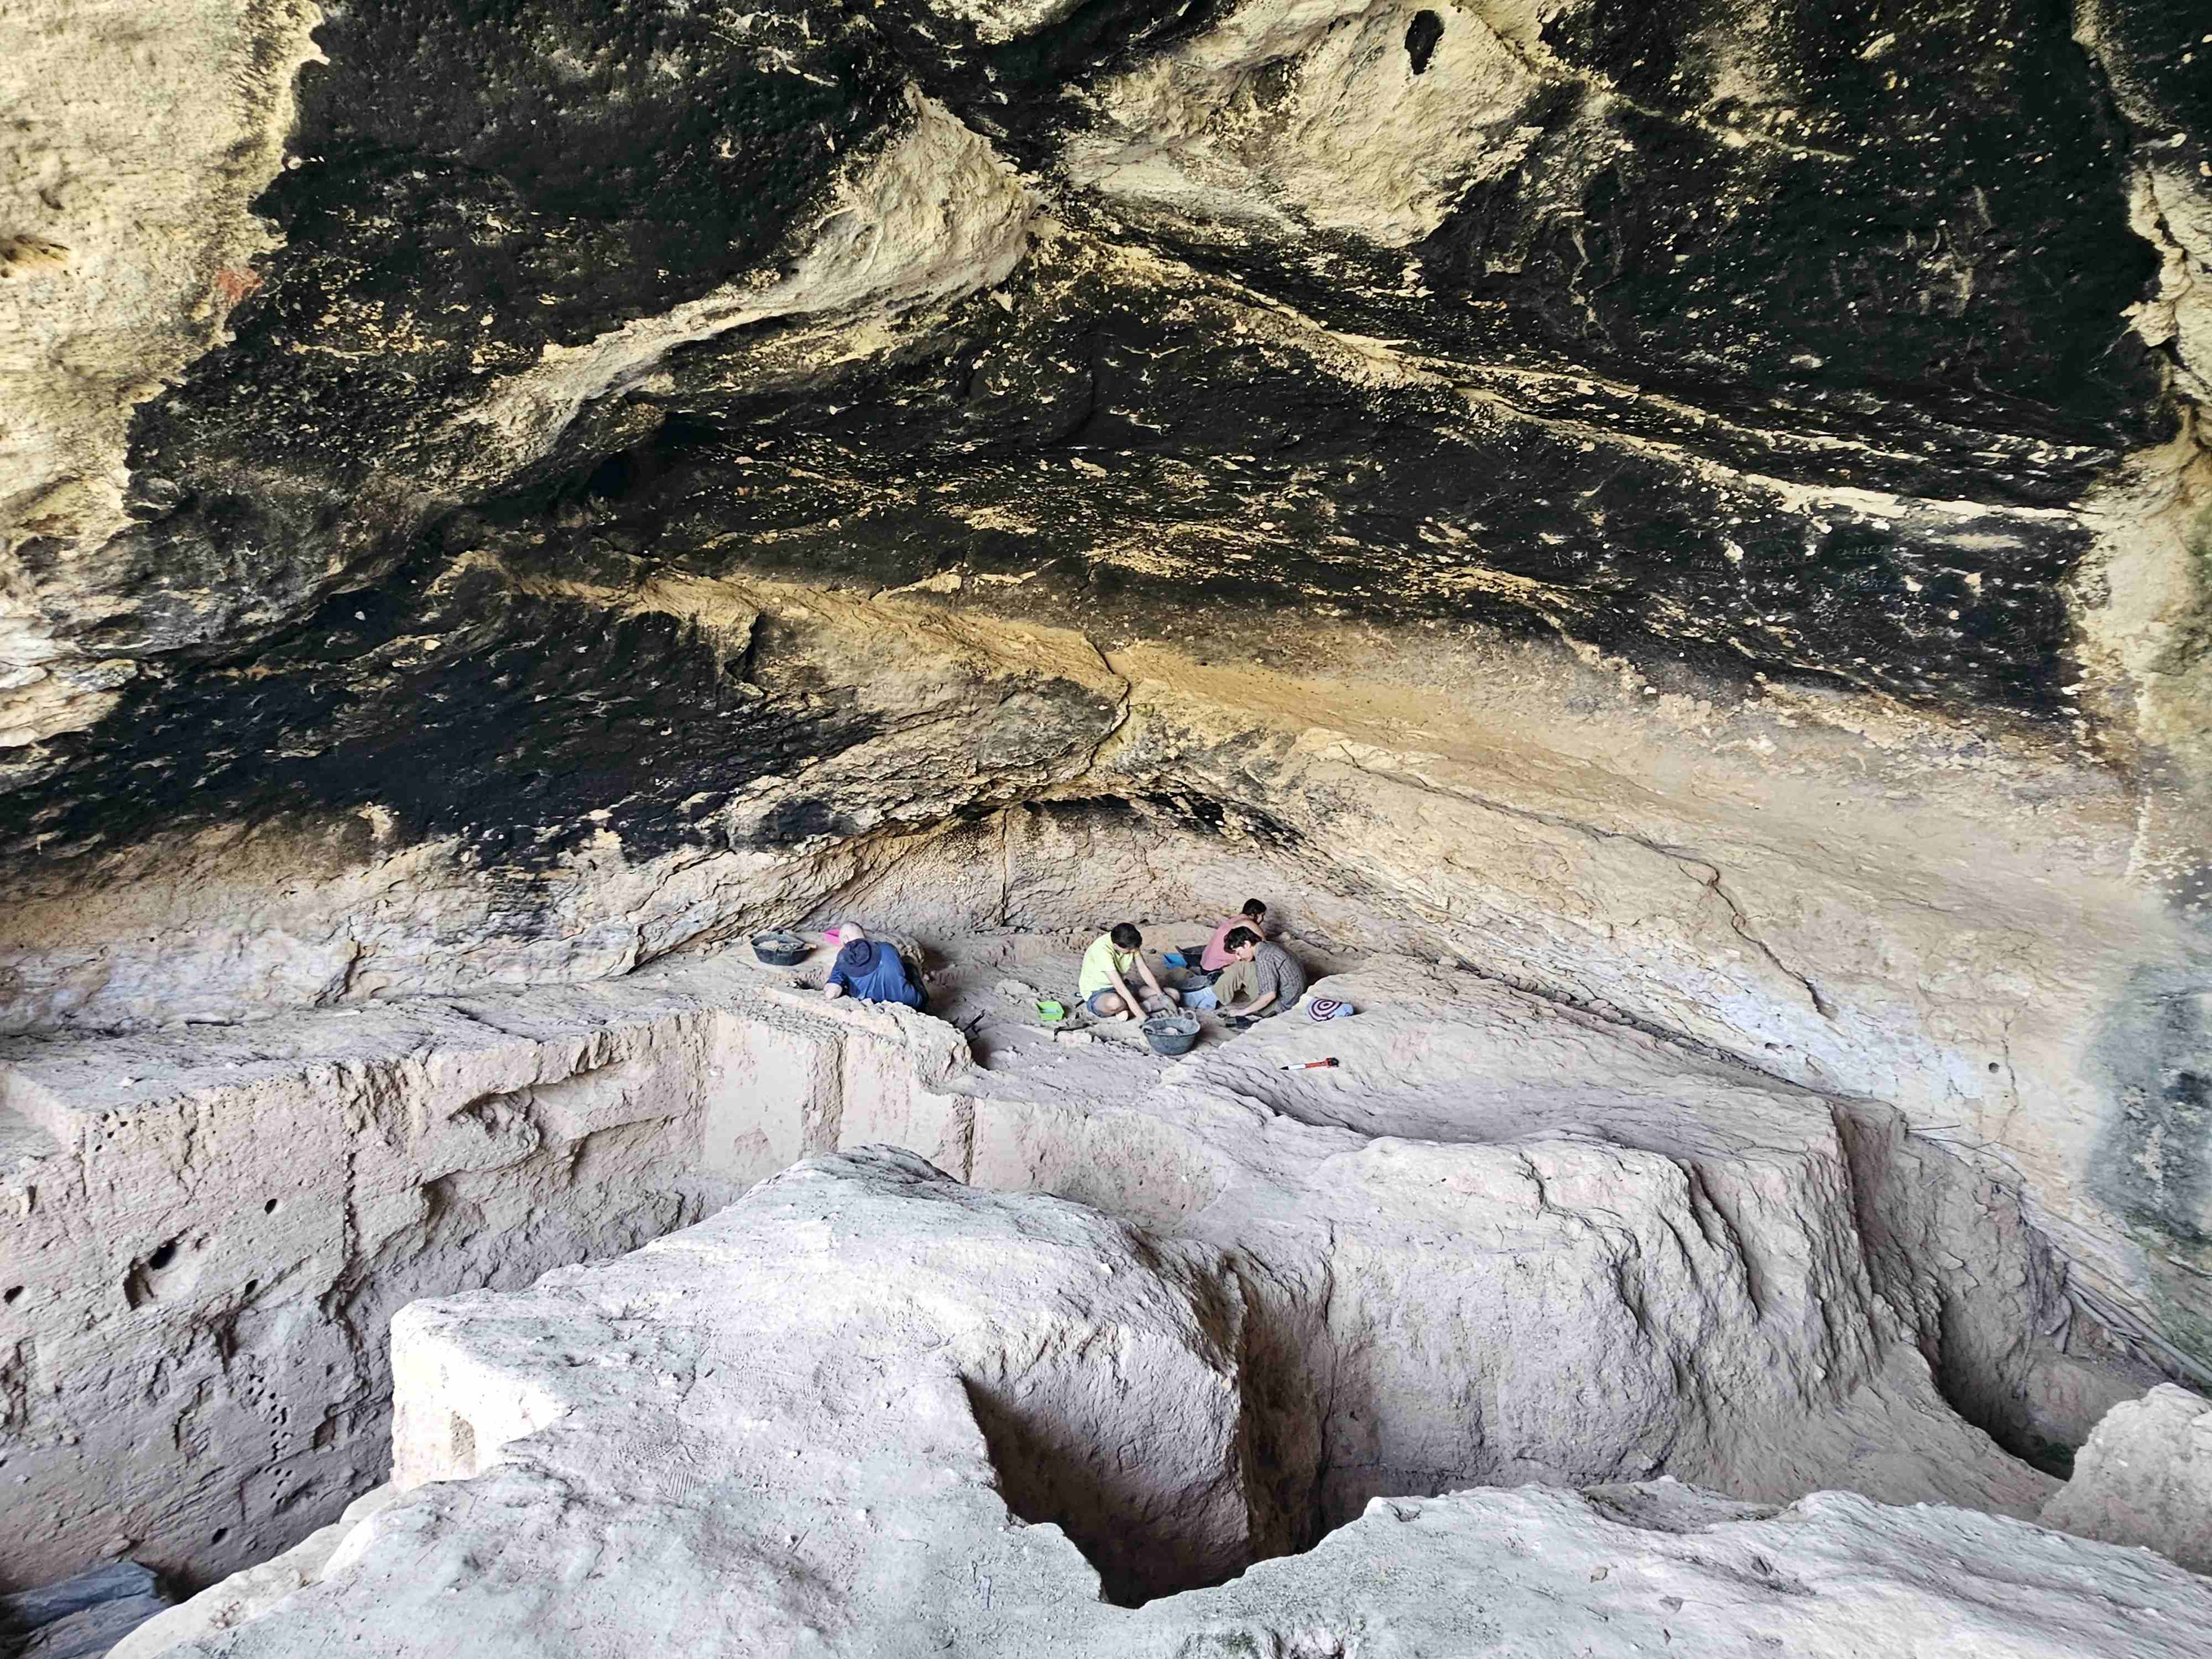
<point>779,948</point>
<point>1171,1034</point>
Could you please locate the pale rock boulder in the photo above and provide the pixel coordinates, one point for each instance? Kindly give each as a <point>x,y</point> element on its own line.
<point>2145,1478</point>
<point>244,1595</point>
<point>1656,1568</point>
<point>773,1434</point>
<point>203,1235</point>
<point>1102,1365</point>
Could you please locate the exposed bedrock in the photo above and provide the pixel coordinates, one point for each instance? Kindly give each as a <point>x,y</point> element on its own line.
<point>868,1410</point>
<point>2145,1478</point>
<point>1529,1244</point>
<point>1696,512</point>
<point>1699,512</point>
<point>207,1233</point>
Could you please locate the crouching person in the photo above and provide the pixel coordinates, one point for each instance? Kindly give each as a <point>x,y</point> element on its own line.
<point>871,971</point>
<point>1112,961</point>
<point>1260,981</point>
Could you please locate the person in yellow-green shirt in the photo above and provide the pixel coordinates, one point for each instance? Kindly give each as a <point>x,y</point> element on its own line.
<point>1114,960</point>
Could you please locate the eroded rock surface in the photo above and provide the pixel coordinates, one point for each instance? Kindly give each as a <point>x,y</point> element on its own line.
<point>2145,1478</point>
<point>1697,513</point>
<point>1503,1242</point>
<point>207,1234</point>
<point>785,1430</point>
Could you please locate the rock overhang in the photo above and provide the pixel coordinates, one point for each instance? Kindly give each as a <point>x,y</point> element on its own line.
<point>1782,382</point>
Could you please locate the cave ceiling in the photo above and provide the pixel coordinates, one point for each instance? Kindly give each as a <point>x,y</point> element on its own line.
<point>1745,344</point>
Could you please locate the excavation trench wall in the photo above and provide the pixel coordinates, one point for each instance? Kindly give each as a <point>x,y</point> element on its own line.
<point>204,1236</point>
<point>208,1232</point>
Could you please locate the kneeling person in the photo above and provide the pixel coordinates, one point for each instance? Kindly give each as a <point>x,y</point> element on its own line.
<point>1261,979</point>
<point>871,971</point>
<point>1114,959</point>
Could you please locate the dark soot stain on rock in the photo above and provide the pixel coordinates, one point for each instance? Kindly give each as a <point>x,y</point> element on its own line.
<point>1943,225</point>
<point>465,708</point>
<point>1135,419</point>
<point>1920,249</point>
<point>1422,35</point>
<point>471,185</point>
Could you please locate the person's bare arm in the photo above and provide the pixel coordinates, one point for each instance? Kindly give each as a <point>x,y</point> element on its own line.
<point>1257,1003</point>
<point>1122,986</point>
<point>1145,968</point>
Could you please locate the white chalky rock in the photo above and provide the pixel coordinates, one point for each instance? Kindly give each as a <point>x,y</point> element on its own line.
<point>1507,1244</point>
<point>243,1595</point>
<point>2145,1478</point>
<point>786,1431</point>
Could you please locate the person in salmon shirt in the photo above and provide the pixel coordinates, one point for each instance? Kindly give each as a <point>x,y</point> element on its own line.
<point>1217,955</point>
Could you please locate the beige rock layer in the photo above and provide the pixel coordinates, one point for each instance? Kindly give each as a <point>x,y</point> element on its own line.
<point>786,1431</point>
<point>1523,1244</point>
<point>138,139</point>
<point>202,1236</point>
<point>2145,1478</point>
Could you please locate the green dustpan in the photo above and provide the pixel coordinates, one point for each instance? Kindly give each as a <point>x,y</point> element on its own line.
<point>1047,1009</point>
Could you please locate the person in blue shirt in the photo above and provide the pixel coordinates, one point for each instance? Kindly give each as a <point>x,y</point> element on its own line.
<point>870,970</point>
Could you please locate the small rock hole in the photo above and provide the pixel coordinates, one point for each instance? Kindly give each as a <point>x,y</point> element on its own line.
<point>163,1256</point>
<point>1993,1066</point>
<point>270,1208</point>
<point>252,1285</point>
<point>1421,37</point>
<point>220,1533</point>
<point>611,479</point>
<point>10,1294</point>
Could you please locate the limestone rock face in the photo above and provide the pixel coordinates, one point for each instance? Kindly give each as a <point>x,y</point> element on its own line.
<point>206,1239</point>
<point>816,1422</point>
<point>2145,1478</point>
<point>1696,511</point>
<point>1503,1242</point>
